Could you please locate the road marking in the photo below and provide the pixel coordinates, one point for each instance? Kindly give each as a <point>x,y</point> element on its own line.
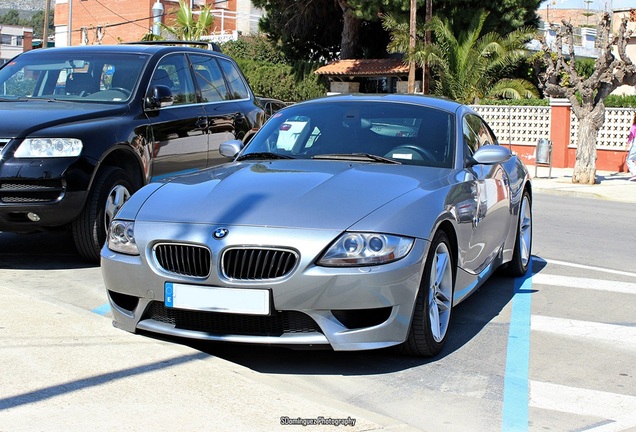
<point>515,401</point>
<point>584,283</point>
<point>618,336</point>
<point>102,310</point>
<point>619,410</point>
<point>600,269</point>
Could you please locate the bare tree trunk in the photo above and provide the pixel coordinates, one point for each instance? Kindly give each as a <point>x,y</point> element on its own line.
<point>585,165</point>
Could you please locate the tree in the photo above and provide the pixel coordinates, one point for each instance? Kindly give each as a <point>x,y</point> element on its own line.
<point>587,95</point>
<point>470,66</point>
<point>329,29</point>
<point>186,27</point>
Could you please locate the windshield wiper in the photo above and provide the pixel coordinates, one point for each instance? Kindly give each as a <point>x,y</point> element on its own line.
<point>263,155</point>
<point>357,157</point>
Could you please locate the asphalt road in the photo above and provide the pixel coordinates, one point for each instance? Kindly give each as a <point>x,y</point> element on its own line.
<point>553,351</point>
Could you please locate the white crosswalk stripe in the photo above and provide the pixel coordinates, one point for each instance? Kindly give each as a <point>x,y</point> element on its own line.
<point>617,336</point>
<point>615,412</point>
<point>584,283</point>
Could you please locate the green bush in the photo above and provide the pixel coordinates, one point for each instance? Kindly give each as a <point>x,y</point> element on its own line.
<point>270,75</point>
<point>615,101</point>
<point>516,102</point>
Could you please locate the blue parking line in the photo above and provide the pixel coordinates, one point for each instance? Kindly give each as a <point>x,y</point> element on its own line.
<point>102,310</point>
<point>516,384</point>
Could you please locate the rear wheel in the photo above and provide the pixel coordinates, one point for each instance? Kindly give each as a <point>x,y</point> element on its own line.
<point>434,303</point>
<point>523,243</point>
<point>111,190</point>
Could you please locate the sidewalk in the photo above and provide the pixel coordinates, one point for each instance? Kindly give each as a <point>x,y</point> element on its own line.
<point>613,186</point>
<point>69,370</point>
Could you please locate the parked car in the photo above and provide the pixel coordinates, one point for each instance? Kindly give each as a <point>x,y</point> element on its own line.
<point>84,127</point>
<point>349,237</point>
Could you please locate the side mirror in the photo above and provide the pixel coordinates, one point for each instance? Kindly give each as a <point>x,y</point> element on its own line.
<point>230,149</point>
<point>159,96</point>
<point>490,154</point>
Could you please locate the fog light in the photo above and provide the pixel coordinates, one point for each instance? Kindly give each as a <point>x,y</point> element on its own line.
<point>33,217</point>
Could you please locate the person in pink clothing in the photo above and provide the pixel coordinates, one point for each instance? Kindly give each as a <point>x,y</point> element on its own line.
<point>631,156</point>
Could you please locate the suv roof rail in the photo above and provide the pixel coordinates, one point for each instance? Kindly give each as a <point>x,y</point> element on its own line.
<point>204,44</point>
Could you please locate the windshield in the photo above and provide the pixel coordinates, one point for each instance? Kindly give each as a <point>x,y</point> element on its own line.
<point>370,131</point>
<point>94,77</point>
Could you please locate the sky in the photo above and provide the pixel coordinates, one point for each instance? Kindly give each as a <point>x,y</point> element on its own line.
<point>594,4</point>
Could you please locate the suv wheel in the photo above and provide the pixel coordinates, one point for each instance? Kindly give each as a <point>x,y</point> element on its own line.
<point>111,190</point>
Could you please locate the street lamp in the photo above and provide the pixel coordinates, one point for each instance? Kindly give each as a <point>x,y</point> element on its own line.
<point>157,13</point>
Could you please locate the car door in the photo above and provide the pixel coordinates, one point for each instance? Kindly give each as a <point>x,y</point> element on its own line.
<point>490,209</point>
<point>219,93</point>
<point>180,131</point>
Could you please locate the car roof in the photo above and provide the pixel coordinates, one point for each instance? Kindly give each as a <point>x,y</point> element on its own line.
<point>429,101</point>
<point>131,48</point>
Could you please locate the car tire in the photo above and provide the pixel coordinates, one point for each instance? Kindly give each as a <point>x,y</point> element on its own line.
<point>111,190</point>
<point>518,266</point>
<point>434,302</point>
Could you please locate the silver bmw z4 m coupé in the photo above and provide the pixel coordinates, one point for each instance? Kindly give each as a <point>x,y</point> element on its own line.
<point>353,222</point>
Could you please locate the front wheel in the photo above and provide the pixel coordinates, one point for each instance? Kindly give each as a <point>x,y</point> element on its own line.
<point>518,266</point>
<point>111,190</point>
<point>434,302</point>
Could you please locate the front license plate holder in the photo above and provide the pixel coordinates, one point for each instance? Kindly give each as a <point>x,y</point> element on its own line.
<point>217,299</point>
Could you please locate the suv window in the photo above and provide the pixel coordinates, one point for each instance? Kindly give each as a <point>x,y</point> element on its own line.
<point>173,71</point>
<point>209,78</point>
<point>238,88</point>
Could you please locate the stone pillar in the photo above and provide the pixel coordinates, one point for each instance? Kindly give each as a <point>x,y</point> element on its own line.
<point>560,110</point>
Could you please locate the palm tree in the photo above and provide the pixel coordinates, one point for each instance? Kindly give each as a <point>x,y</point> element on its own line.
<point>186,27</point>
<point>470,66</point>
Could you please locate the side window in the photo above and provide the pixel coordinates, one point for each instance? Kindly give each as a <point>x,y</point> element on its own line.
<point>238,89</point>
<point>173,71</point>
<point>209,78</point>
<point>485,135</point>
<point>471,125</point>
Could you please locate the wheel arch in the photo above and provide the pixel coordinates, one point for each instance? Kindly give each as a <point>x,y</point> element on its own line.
<point>123,157</point>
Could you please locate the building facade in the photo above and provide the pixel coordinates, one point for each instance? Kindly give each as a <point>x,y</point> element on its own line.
<point>14,40</point>
<point>110,22</point>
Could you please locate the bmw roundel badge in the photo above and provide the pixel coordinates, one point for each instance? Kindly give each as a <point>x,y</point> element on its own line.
<point>219,233</point>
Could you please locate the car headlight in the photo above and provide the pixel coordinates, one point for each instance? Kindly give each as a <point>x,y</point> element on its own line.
<point>121,237</point>
<point>49,147</point>
<point>364,249</point>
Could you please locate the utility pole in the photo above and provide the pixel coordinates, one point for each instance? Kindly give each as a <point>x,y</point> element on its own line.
<point>45,30</point>
<point>412,35</point>
<point>70,23</point>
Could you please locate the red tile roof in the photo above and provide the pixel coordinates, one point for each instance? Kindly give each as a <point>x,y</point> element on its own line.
<point>364,67</point>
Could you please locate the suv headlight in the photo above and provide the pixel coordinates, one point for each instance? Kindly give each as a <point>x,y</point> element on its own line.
<point>121,237</point>
<point>49,147</point>
<point>364,249</point>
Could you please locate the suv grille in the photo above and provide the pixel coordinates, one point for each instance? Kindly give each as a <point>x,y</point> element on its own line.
<point>233,324</point>
<point>37,191</point>
<point>258,264</point>
<point>183,260</point>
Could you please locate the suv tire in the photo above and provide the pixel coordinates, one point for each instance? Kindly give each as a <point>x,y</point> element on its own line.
<point>111,190</point>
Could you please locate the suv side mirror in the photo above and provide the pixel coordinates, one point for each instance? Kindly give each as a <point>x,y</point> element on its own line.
<point>159,96</point>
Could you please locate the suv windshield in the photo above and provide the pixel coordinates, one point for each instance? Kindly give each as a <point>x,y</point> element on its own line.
<point>86,77</point>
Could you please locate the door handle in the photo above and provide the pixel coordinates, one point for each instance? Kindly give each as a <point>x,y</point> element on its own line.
<point>202,123</point>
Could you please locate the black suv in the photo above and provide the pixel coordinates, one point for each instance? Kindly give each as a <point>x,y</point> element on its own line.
<point>82,128</point>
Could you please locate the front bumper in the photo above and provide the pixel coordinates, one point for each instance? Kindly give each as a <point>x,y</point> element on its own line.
<point>345,308</point>
<point>38,193</point>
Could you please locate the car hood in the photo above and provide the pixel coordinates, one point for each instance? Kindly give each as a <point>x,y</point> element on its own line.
<point>21,118</point>
<point>307,193</point>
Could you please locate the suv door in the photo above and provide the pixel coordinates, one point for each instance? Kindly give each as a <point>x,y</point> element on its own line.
<point>180,131</point>
<point>219,91</point>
